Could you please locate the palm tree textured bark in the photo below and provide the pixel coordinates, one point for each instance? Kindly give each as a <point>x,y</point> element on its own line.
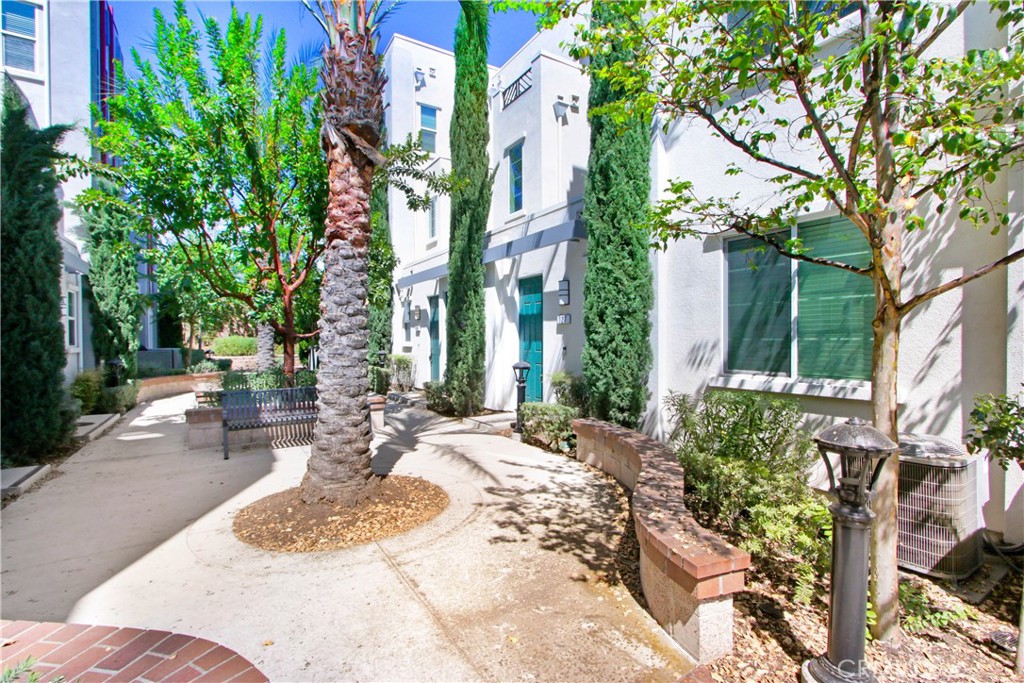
<point>339,464</point>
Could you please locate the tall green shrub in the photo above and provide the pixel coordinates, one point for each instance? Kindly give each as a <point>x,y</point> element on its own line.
<point>31,331</point>
<point>471,203</point>
<point>115,303</point>
<point>380,273</point>
<point>617,288</point>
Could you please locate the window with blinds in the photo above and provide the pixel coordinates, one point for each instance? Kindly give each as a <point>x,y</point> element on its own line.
<point>428,128</point>
<point>515,178</point>
<point>759,308</point>
<point>19,34</point>
<point>834,307</point>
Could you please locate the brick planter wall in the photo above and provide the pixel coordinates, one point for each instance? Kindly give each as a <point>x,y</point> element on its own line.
<point>152,388</point>
<point>688,574</point>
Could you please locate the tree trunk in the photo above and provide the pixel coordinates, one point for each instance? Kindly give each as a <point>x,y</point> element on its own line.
<point>264,347</point>
<point>339,464</point>
<point>884,583</point>
<point>884,536</point>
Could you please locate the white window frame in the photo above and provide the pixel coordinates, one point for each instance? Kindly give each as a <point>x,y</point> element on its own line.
<point>73,319</point>
<point>437,123</point>
<point>39,42</point>
<point>432,220</point>
<point>789,382</point>
<point>521,144</point>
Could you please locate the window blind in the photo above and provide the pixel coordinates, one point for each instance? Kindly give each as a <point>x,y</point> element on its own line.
<point>835,307</point>
<point>759,308</point>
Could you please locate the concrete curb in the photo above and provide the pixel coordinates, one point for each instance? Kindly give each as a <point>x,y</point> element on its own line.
<point>99,429</point>
<point>17,480</point>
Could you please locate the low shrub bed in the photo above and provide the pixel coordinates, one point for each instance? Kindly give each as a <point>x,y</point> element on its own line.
<point>234,346</point>
<point>438,399</point>
<point>746,462</point>
<point>549,425</point>
<point>268,379</point>
<point>96,398</point>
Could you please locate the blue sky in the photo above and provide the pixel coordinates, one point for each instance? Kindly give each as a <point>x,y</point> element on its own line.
<point>431,21</point>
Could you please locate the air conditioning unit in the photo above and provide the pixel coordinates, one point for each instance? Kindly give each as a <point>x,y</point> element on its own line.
<point>939,516</point>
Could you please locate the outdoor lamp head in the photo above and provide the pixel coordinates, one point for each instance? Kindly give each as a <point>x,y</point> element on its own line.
<point>522,369</point>
<point>862,452</point>
<point>382,356</point>
<point>115,362</point>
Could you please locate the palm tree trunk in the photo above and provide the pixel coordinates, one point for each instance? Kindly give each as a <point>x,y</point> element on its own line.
<point>264,347</point>
<point>339,464</point>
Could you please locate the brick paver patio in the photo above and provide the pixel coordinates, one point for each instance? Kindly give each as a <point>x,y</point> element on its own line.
<point>78,652</point>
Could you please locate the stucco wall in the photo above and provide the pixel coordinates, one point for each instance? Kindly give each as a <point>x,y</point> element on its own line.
<point>963,343</point>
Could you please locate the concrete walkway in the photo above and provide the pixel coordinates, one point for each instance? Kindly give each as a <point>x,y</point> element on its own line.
<point>135,530</point>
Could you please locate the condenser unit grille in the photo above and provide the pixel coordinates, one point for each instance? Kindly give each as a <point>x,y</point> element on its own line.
<point>939,530</point>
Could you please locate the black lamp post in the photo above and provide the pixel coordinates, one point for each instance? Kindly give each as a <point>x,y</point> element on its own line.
<point>522,369</point>
<point>116,364</point>
<point>862,452</point>
<point>382,357</point>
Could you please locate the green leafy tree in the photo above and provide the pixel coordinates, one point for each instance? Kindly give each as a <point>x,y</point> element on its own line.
<point>617,352</point>
<point>382,262</point>
<point>31,333</point>
<point>116,303</point>
<point>875,125</point>
<point>196,303</point>
<point>228,164</point>
<point>471,204</point>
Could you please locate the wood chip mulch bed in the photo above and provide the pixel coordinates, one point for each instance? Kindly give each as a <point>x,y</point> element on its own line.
<point>773,634</point>
<point>283,523</point>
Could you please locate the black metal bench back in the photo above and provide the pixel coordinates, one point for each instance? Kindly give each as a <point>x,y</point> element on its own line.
<point>252,409</point>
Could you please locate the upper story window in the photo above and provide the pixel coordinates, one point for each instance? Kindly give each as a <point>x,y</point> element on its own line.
<point>515,178</point>
<point>71,320</point>
<point>834,308</point>
<point>19,24</point>
<point>428,128</point>
<point>432,219</point>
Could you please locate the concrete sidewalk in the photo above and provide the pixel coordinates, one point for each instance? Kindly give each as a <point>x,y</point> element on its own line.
<point>136,531</point>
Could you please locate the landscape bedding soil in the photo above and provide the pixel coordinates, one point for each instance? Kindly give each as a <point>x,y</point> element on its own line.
<point>774,635</point>
<point>282,522</point>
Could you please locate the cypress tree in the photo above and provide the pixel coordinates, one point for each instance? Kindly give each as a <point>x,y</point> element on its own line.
<point>617,288</point>
<point>471,203</point>
<point>116,304</point>
<point>381,271</point>
<point>34,421</point>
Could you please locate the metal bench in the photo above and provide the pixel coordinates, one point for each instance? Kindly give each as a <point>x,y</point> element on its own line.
<point>266,408</point>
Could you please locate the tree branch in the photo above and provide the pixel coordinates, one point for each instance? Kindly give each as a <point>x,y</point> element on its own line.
<point>964,279</point>
<point>941,28</point>
<point>781,248</point>
<point>731,138</point>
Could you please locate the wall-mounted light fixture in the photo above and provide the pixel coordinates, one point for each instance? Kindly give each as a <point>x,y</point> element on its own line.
<point>561,108</point>
<point>416,313</point>
<point>421,78</point>
<point>563,292</point>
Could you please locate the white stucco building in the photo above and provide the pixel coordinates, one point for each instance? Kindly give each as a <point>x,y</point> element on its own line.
<point>964,343</point>
<point>714,324</point>
<point>539,146</point>
<point>60,57</point>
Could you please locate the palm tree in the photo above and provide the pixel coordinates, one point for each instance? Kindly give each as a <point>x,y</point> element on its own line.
<point>339,465</point>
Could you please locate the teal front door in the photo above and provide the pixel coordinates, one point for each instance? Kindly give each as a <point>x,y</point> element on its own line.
<point>435,340</point>
<point>531,335</point>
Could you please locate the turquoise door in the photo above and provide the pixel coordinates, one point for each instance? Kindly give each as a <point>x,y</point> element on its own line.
<point>435,340</point>
<point>531,335</point>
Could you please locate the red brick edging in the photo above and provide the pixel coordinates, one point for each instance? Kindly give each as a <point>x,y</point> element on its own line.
<point>90,654</point>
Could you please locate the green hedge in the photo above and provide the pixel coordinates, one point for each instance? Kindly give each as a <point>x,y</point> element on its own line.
<point>380,380</point>
<point>437,397</point>
<point>549,425</point>
<point>234,346</point>
<point>88,387</point>
<point>269,379</point>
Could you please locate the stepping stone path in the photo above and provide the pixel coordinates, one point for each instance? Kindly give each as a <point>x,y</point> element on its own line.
<point>78,652</point>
